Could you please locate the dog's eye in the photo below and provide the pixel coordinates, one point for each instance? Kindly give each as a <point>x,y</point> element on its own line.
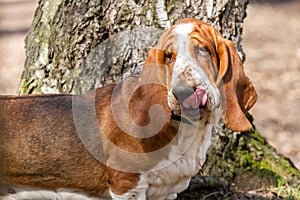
<point>202,51</point>
<point>169,57</point>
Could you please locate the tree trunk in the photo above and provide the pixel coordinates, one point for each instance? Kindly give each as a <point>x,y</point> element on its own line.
<point>76,46</point>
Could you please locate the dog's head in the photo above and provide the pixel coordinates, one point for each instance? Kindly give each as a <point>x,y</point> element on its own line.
<point>202,71</point>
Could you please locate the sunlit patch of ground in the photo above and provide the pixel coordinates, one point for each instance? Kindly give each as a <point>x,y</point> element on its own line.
<point>272,46</point>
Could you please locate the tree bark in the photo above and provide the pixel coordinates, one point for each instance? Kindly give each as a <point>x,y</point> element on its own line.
<point>76,46</point>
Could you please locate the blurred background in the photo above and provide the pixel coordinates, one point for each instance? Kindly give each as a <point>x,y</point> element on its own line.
<point>271,43</point>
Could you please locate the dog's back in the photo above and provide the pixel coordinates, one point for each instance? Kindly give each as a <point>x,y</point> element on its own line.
<point>37,132</point>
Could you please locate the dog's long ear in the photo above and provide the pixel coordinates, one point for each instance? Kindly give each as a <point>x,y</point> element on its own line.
<point>238,93</point>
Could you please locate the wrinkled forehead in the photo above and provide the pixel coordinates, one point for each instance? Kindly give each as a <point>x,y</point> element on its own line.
<point>182,33</point>
<point>176,37</point>
<point>185,34</point>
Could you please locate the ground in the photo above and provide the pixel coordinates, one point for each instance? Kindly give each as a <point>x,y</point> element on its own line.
<point>272,47</point>
<point>271,43</point>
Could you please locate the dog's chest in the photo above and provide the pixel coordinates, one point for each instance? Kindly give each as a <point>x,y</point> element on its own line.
<point>175,177</point>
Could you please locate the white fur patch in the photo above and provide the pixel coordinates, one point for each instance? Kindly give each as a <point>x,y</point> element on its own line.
<point>184,29</point>
<point>167,182</point>
<point>27,193</point>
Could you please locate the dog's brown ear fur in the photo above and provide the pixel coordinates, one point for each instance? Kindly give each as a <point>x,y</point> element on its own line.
<point>238,93</point>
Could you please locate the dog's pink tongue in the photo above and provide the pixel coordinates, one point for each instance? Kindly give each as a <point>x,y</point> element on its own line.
<point>198,98</point>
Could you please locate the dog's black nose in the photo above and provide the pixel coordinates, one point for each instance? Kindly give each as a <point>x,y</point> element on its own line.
<point>182,92</point>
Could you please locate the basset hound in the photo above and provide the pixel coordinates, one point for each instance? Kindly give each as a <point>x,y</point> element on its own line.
<point>141,139</point>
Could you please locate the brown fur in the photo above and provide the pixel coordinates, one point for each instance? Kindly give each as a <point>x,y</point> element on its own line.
<point>39,145</point>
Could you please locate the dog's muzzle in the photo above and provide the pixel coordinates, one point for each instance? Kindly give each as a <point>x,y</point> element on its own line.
<point>193,102</point>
